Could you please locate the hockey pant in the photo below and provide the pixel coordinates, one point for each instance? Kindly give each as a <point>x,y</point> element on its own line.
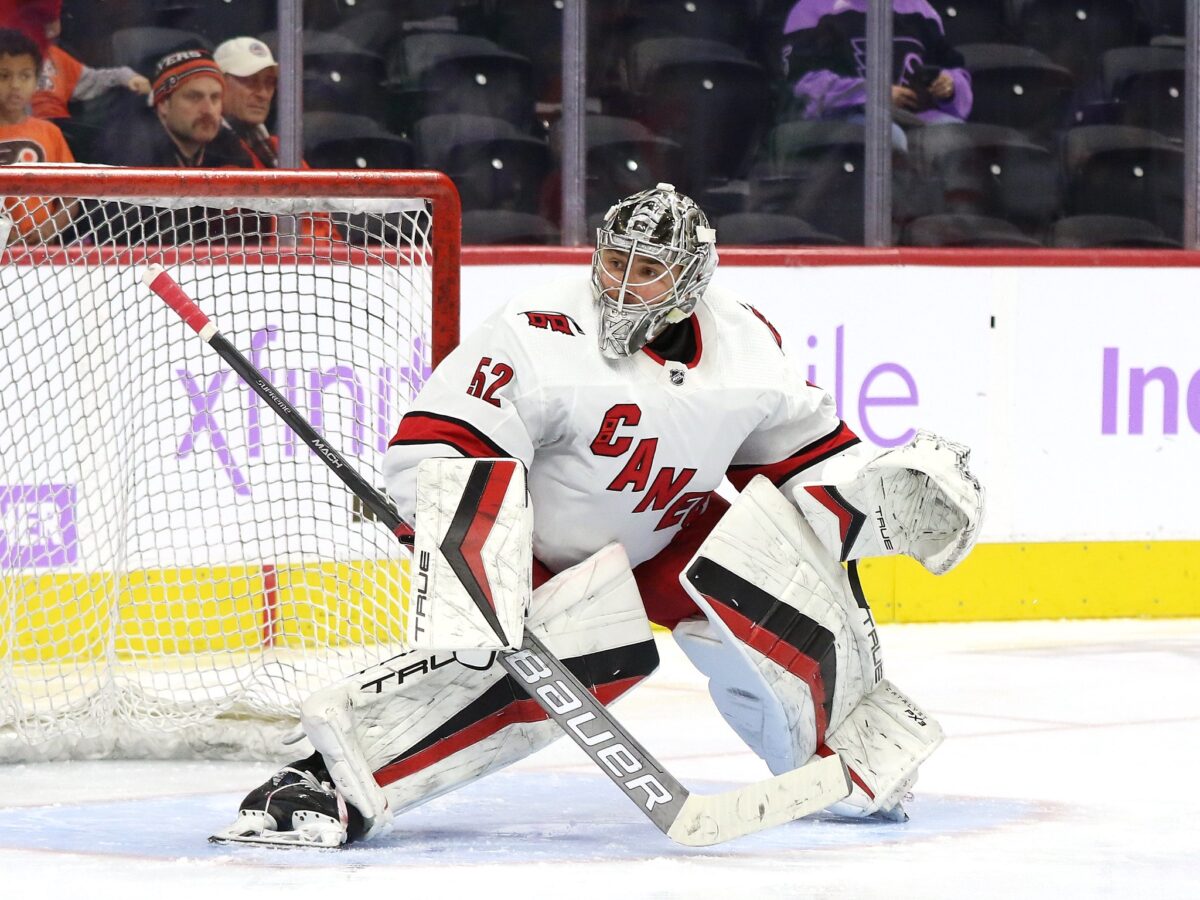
<point>425,724</point>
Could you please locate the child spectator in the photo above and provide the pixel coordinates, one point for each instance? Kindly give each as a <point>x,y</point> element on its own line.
<point>62,78</point>
<point>25,140</point>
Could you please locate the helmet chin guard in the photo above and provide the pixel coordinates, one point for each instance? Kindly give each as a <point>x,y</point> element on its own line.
<point>668,228</point>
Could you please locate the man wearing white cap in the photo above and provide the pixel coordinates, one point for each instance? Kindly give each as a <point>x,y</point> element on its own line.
<point>251,75</point>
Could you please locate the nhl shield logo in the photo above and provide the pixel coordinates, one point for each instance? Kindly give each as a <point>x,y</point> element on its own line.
<point>677,376</point>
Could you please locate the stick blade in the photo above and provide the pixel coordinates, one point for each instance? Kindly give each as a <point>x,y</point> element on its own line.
<point>712,819</point>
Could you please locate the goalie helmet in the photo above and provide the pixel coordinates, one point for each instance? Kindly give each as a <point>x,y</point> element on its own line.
<point>655,255</point>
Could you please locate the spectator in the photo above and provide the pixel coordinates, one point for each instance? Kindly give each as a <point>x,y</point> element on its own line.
<point>62,78</point>
<point>825,60</point>
<point>25,140</point>
<point>251,75</point>
<point>188,94</point>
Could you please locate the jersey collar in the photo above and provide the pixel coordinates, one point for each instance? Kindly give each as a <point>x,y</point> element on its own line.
<point>694,320</point>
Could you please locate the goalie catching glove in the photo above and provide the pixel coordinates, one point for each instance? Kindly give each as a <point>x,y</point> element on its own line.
<point>920,499</point>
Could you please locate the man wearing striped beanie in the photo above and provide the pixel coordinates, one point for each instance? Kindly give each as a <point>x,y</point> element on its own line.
<point>187,91</point>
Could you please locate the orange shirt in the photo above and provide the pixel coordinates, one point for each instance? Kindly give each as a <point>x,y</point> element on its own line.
<point>32,141</point>
<point>56,83</point>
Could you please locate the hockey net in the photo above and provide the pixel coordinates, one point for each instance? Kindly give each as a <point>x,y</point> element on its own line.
<point>177,569</point>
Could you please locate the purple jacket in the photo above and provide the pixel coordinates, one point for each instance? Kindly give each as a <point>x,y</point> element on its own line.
<point>825,56</point>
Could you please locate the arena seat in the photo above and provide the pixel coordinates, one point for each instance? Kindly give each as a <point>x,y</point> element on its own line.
<point>1074,33</point>
<point>1018,87</point>
<point>989,170</point>
<point>337,140</point>
<point>503,226</point>
<point>959,230</point>
<point>437,73</point>
<point>533,28</point>
<point>1146,85</point>
<point>729,21</point>
<point>770,229</point>
<point>1108,231</point>
<point>143,46</point>
<point>704,95</point>
<point>973,21</point>
<point>1163,16</point>
<point>326,14</point>
<point>1125,171</point>
<point>624,157</point>
<point>494,164</point>
<point>217,20</point>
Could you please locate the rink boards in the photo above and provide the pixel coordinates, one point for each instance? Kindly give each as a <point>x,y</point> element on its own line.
<point>1082,406</point>
<point>1076,383</point>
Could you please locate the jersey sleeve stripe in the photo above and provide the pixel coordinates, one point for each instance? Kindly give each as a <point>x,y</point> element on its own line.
<point>780,472</point>
<point>431,428</point>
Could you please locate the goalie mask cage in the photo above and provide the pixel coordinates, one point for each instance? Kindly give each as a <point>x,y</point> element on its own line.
<point>177,570</point>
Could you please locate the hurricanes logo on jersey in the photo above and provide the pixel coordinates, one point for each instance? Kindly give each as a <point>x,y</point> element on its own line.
<point>554,321</point>
<point>661,487</point>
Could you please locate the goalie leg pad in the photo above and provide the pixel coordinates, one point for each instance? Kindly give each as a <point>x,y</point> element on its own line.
<point>789,645</point>
<point>420,725</point>
<point>883,741</point>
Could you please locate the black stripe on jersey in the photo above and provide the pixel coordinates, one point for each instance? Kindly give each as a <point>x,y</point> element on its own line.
<point>593,669</point>
<point>440,437</point>
<point>788,624</point>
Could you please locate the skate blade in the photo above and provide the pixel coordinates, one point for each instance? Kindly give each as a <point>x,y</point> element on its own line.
<point>255,828</point>
<point>280,840</point>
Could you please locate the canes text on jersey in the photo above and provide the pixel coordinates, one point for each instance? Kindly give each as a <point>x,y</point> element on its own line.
<point>662,492</point>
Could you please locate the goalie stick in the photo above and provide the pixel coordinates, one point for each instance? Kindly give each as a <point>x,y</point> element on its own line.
<point>695,820</point>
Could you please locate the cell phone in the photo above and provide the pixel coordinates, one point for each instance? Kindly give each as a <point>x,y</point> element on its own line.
<point>924,76</point>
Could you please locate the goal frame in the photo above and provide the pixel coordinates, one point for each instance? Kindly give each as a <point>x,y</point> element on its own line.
<point>437,252</point>
<point>131,183</point>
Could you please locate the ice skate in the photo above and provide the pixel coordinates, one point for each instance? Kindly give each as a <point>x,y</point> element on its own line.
<point>297,806</point>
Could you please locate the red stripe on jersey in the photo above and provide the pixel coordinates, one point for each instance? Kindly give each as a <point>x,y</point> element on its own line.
<point>779,472</point>
<point>517,712</point>
<point>430,428</point>
<point>824,750</point>
<point>767,322</point>
<point>784,654</point>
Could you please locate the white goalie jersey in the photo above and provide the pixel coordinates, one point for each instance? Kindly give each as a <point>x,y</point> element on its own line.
<point>617,450</point>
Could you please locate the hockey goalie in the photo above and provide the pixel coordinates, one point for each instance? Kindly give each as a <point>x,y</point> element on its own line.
<point>610,410</point>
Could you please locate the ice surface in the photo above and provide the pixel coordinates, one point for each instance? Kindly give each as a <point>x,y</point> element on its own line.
<point>1069,772</point>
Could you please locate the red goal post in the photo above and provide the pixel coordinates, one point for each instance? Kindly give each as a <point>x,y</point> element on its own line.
<point>176,571</point>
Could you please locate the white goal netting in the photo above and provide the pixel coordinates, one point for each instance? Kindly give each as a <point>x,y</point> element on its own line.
<point>177,569</point>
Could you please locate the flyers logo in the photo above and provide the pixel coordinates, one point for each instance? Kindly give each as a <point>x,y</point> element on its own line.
<point>20,152</point>
<point>554,321</point>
